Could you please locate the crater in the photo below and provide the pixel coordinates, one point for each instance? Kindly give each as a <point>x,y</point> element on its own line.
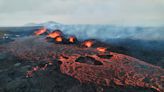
<point>105,56</point>
<point>88,60</point>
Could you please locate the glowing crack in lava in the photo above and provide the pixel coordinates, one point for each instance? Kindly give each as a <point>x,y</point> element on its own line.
<point>31,72</point>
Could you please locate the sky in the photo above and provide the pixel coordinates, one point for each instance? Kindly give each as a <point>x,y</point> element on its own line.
<point>113,12</point>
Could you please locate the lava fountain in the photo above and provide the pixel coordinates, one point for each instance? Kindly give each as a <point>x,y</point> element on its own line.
<point>55,34</point>
<point>87,43</point>
<point>40,31</point>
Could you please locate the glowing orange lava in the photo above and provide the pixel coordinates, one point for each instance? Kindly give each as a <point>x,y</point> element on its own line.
<point>54,34</point>
<point>59,39</point>
<point>72,39</point>
<point>88,43</point>
<point>40,31</point>
<point>101,49</point>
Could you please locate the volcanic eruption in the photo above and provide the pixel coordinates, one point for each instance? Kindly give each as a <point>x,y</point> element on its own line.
<point>88,43</point>
<point>101,49</point>
<point>72,39</point>
<point>40,31</point>
<point>55,34</point>
<point>87,62</point>
<point>58,39</point>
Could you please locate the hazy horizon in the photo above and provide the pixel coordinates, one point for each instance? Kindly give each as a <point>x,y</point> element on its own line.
<point>111,12</point>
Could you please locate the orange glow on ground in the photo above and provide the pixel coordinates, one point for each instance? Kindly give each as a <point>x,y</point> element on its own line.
<point>88,43</point>
<point>72,39</point>
<point>101,49</point>
<point>54,34</point>
<point>40,31</point>
<point>59,39</point>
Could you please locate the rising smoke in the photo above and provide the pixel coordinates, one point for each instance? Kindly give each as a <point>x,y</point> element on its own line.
<point>106,32</point>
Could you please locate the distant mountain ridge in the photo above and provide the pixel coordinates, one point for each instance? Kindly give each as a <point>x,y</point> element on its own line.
<point>43,24</point>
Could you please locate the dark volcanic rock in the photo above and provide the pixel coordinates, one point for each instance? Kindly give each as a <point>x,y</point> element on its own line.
<point>76,69</point>
<point>88,60</point>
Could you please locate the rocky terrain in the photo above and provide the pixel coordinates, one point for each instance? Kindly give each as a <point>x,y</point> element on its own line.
<point>32,64</point>
<point>40,60</point>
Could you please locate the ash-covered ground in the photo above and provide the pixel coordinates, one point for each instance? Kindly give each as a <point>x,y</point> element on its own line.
<point>28,64</point>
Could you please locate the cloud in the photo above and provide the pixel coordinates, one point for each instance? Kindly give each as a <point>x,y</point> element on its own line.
<point>119,12</point>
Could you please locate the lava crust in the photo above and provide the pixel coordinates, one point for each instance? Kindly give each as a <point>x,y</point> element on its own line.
<point>89,65</point>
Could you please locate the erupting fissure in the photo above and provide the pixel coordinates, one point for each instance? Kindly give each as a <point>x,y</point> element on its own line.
<point>89,63</point>
<point>72,39</point>
<point>54,34</point>
<point>59,37</point>
<point>40,31</point>
<point>101,49</point>
<point>88,43</point>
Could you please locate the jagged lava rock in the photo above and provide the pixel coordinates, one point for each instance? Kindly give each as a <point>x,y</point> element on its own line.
<point>119,70</point>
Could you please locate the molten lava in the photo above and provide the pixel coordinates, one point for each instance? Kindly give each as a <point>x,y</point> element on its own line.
<point>101,49</point>
<point>88,43</point>
<point>59,39</point>
<point>88,65</point>
<point>40,31</point>
<point>54,34</point>
<point>72,39</point>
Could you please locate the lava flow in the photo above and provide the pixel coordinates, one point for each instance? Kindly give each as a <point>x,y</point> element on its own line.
<point>89,65</point>
<point>40,31</point>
